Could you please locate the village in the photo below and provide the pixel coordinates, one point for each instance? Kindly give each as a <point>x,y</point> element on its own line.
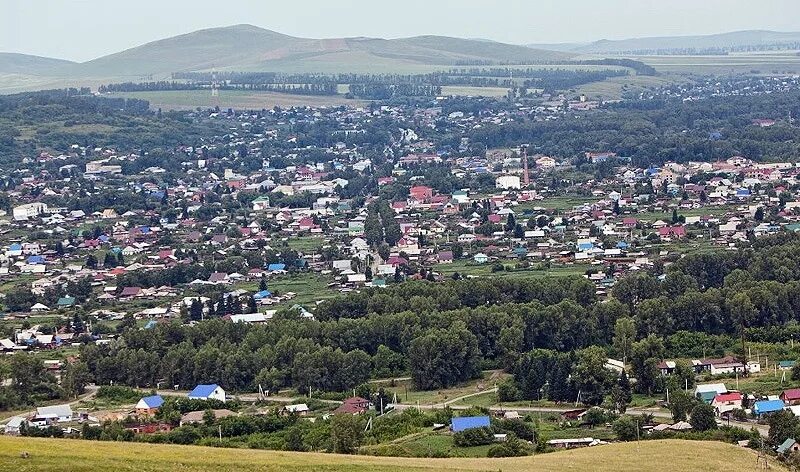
<point>270,218</point>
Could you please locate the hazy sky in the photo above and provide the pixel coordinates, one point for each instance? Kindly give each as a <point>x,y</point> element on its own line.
<point>85,29</point>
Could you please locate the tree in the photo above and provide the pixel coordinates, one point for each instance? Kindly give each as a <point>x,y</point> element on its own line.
<point>624,336</point>
<point>91,261</point>
<point>110,260</point>
<point>384,251</point>
<point>76,377</point>
<point>444,357</point>
<point>590,376</point>
<point>621,393</point>
<point>782,425</point>
<point>627,428</point>
<point>595,417</point>
<point>347,431</point>
<point>681,405</point>
<point>78,326</point>
<point>196,310</point>
<point>702,417</point>
<point>262,284</point>
<point>458,250</point>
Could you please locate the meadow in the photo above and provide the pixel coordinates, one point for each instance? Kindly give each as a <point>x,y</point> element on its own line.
<point>56,455</point>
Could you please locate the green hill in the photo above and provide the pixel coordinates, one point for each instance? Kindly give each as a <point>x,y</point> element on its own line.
<point>249,48</point>
<point>13,63</point>
<point>49,455</point>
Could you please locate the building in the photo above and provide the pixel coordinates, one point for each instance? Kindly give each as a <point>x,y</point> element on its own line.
<point>767,406</point>
<point>14,425</point>
<point>463,423</point>
<point>53,414</point>
<point>207,392</point>
<point>261,203</point>
<point>508,182</point>
<point>353,406</point>
<point>29,210</point>
<point>791,396</point>
<point>149,405</point>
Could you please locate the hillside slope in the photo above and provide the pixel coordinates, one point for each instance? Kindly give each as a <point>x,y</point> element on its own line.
<point>249,48</point>
<point>13,63</point>
<point>49,455</point>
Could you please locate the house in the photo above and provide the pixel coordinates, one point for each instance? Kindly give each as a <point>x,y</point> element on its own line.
<point>261,203</point>
<point>197,416</point>
<point>480,258</point>
<point>353,406</point>
<point>299,409</point>
<point>14,425</point>
<point>707,392</point>
<point>445,257</point>
<point>725,402</point>
<point>763,407</point>
<point>571,443</point>
<point>53,414</point>
<point>462,423</point>
<point>507,182</point>
<point>207,392</point>
<point>790,397</point>
<point>149,405</point>
<point>790,445</point>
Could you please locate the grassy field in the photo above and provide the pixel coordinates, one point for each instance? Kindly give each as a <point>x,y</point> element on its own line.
<point>474,91</point>
<point>613,87</point>
<point>191,99</point>
<point>467,267</point>
<point>52,455</point>
<point>764,63</point>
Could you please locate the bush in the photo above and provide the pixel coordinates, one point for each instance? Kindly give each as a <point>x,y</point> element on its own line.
<point>519,428</point>
<point>120,394</point>
<point>627,428</point>
<point>513,447</point>
<point>473,437</point>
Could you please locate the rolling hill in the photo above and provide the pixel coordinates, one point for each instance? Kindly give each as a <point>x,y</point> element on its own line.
<point>249,48</point>
<point>50,455</point>
<point>737,39</point>
<point>13,63</point>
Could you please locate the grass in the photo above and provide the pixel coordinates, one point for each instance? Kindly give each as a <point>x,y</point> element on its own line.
<point>406,394</point>
<point>428,445</point>
<point>309,287</point>
<point>54,455</point>
<point>191,99</point>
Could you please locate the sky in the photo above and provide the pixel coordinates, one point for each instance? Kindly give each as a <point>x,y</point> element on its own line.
<point>80,30</point>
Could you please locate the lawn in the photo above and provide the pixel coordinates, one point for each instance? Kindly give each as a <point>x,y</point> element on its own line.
<point>56,455</point>
<point>430,444</point>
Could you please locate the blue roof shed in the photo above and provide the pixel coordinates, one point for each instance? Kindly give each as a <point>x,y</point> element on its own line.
<point>462,423</point>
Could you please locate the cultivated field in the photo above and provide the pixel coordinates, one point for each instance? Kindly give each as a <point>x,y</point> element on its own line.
<point>764,63</point>
<point>50,455</point>
<point>191,99</point>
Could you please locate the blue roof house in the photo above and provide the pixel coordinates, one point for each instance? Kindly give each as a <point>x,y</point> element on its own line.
<point>207,392</point>
<point>149,404</point>
<point>463,423</point>
<point>262,294</point>
<point>767,406</point>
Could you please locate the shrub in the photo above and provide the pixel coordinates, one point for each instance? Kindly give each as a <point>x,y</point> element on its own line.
<point>473,437</point>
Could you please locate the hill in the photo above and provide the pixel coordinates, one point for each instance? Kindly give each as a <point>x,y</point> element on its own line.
<point>13,63</point>
<point>249,48</point>
<point>48,455</point>
<point>738,39</point>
